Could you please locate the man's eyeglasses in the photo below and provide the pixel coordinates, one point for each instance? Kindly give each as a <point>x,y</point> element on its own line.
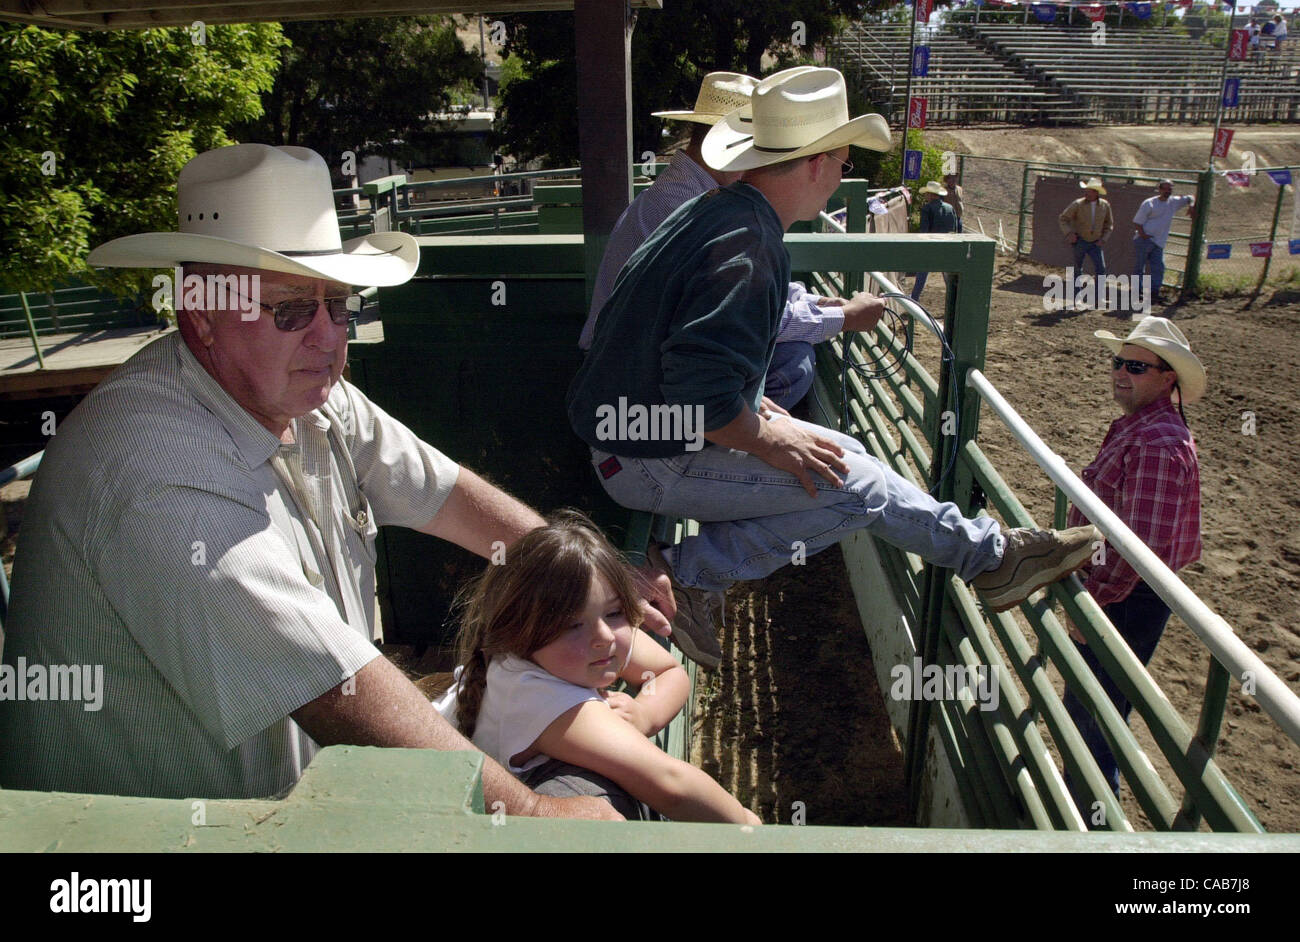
<point>297,313</point>
<point>1135,367</point>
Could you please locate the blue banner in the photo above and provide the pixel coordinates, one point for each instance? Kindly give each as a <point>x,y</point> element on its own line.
<point>911,165</point>
<point>1141,10</point>
<point>1280,177</point>
<point>921,61</point>
<point>1231,92</point>
<point>1293,246</point>
<point>1044,12</point>
<point>1221,250</point>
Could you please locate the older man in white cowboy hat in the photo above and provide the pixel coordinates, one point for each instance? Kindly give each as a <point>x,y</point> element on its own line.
<point>1087,223</point>
<point>203,524</point>
<point>1147,472</point>
<point>808,318</point>
<point>691,326</point>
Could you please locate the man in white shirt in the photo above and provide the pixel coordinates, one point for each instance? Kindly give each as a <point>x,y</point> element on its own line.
<point>202,529</point>
<point>1152,222</point>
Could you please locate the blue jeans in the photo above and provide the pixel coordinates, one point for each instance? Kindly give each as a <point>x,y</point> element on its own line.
<point>1084,249</point>
<point>921,278</point>
<point>790,374</point>
<point>1140,619</point>
<point>1147,251</point>
<point>755,518</point>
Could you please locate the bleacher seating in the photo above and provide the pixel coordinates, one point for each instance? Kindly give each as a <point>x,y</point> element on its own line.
<point>1036,73</point>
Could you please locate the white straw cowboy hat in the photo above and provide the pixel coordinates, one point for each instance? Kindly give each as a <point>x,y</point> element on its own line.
<point>264,207</point>
<point>1161,337</point>
<point>935,187</point>
<point>796,113</point>
<point>1094,183</point>
<point>720,93</point>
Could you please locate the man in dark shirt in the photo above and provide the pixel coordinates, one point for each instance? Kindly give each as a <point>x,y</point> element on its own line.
<point>670,397</point>
<point>936,216</point>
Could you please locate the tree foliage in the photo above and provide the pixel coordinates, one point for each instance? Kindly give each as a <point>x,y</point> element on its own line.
<point>97,127</point>
<point>363,84</point>
<point>672,50</point>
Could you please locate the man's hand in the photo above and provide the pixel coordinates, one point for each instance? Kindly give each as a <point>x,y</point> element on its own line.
<point>658,607</point>
<point>631,710</point>
<point>1073,629</point>
<point>862,312</point>
<point>1072,238</point>
<point>767,408</point>
<point>1142,233</point>
<point>790,447</point>
<point>587,807</point>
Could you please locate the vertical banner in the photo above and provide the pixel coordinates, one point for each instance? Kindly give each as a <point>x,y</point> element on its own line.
<point>911,165</point>
<point>921,61</point>
<point>1239,45</point>
<point>923,10</point>
<point>1222,141</point>
<point>1094,11</point>
<point>916,113</point>
<point>1231,92</point>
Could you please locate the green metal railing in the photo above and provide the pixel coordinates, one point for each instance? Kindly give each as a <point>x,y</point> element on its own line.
<point>15,472</point>
<point>1002,766</point>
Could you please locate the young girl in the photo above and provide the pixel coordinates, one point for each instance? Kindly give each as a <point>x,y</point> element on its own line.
<point>543,636</point>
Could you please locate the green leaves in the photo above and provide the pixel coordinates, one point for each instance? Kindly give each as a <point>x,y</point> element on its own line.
<point>97,127</point>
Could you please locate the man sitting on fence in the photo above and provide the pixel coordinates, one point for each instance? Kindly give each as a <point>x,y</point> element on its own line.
<point>203,524</point>
<point>1147,473</point>
<point>1153,220</point>
<point>1087,224</point>
<point>689,330</point>
<point>808,319</point>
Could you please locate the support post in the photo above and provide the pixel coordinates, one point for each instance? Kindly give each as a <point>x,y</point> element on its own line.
<point>1272,238</point>
<point>1196,241</point>
<point>31,329</point>
<point>603,46</point>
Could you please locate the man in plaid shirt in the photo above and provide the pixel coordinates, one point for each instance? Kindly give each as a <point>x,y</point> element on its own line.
<point>1147,473</point>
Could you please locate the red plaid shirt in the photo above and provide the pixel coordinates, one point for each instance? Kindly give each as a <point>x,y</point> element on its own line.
<point>1147,473</point>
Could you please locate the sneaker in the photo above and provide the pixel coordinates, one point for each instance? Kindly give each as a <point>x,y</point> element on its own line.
<point>694,631</point>
<point>1033,559</point>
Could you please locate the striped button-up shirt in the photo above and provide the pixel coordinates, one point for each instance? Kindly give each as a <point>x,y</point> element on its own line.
<point>683,180</point>
<point>1147,473</point>
<point>217,578</point>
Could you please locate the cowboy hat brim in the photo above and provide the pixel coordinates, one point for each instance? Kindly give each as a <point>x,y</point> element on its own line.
<point>729,147</point>
<point>698,117</point>
<point>1101,190</point>
<point>381,259</point>
<point>1188,366</point>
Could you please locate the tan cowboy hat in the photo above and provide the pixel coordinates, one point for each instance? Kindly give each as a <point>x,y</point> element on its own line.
<point>720,92</point>
<point>1094,183</point>
<point>264,207</point>
<point>935,187</point>
<point>796,113</point>
<point>1161,337</point>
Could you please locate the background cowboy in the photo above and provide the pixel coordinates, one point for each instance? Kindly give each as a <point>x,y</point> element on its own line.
<point>203,524</point>
<point>692,323</point>
<point>954,197</point>
<point>1152,222</point>
<point>1087,223</point>
<point>808,318</point>
<point>937,215</point>
<point>1147,473</point>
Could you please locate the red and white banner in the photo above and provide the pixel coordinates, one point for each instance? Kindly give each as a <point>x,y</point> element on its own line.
<point>916,113</point>
<point>1261,249</point>
<point>1094,11</point>
<point>1222,141</point>
<point>923,10</point>
<point>1239,45</point>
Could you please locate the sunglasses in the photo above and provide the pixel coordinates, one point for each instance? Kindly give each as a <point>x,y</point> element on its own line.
<point>848,165</point>
<point>297,313</point>
<point>1135,367</point>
